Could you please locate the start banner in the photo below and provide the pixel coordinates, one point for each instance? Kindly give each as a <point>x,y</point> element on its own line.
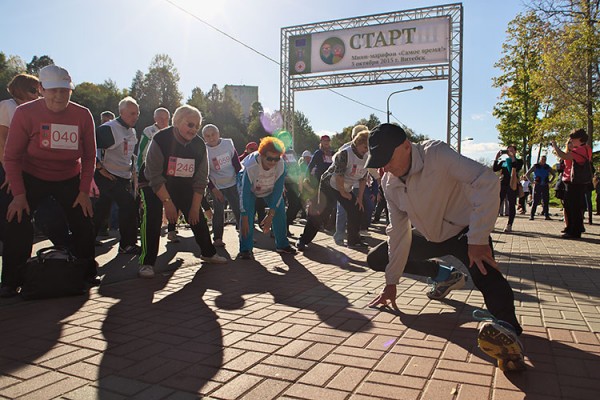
<point>415,42</point>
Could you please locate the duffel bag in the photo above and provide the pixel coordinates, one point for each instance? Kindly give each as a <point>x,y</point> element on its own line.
<point>53,272</point>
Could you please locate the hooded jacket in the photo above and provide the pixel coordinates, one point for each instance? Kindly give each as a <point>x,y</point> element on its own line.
<point>441,195</point>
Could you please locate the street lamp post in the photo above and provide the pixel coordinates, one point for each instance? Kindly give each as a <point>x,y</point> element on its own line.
<point>399,91</point>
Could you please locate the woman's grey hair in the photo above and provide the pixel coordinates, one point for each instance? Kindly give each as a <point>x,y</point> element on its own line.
<point>210,126</point>
<point>161,109</point>
<point>127,101</point>
<point>184,111</point>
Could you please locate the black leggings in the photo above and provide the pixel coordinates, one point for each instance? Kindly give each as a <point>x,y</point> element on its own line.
<point>18,240</point>
<point>152,221</point>
<point>497,293</point>
<point>511,195</point>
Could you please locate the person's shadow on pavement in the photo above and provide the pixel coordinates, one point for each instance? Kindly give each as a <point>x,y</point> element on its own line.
<point>31,329</point>
<point>290,284</point>
<point>161,337</point>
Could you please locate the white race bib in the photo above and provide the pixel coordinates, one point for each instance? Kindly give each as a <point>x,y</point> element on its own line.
<point>181,167</point>
<point>59,136</point>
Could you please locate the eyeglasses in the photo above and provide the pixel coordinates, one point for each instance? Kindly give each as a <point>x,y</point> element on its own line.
<point>273,159</point>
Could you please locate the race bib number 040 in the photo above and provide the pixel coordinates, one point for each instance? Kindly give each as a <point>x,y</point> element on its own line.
<point>59,136</point>
<point>181,167</point>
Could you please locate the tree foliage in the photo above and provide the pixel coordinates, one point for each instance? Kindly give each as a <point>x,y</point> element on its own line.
<point>159,87</point>
<point>37,63</point>
<point>305,137</point>
<point>570,74</point>
<point>520,103</point>
<point>346,135</point>
<point>220,109</point>
<point>98,98</point>
<point>255,130</point>
<point>9,67</point>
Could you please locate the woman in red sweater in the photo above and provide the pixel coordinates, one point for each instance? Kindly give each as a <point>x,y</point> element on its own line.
<point>50,151</point>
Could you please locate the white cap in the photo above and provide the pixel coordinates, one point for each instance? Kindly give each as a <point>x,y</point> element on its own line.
<point>306,153</point>
<point>53,77</point>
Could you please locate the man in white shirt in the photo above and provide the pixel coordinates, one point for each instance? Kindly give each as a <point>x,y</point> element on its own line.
<point>452,202</point>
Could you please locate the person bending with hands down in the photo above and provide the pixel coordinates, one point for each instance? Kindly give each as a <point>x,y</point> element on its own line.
<point>452,201</point>
<point>262,176</point>
<point>223,167</point>
<point>50,151</point>
<point>175,178</point>
<point>337,183</point>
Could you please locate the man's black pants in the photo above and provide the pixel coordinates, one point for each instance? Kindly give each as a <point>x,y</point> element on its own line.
<point>119,191</point>
<point>328,198</point>
<point>497,293</point>
<point>18,240</point>
<point>541,193</point>
<point>152,222</point>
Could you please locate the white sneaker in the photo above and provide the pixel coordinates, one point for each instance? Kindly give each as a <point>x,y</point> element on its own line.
<point>216,259</point>
<point>219,243</point>
<point>146,271</point>
<point>172,236</point>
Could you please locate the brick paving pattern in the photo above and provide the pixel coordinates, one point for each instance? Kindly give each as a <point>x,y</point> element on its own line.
<point>284,327</point>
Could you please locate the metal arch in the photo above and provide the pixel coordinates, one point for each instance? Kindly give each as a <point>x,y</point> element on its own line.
<point>451,71</point>
<point>363,78</point>
<point>455,80</point>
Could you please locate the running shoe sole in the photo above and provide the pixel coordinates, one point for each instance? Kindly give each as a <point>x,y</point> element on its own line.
<point>501,344</point>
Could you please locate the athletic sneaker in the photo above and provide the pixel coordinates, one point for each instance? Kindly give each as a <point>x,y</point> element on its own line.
<point>146,271</point>
<point>455,281</point>
<point>498,339</point>
<point>130,249</point>
<point>287,250</point>
<point>172,237</point>
<point>216,259</point>
<point>245,255</point>
<point>219,243</point>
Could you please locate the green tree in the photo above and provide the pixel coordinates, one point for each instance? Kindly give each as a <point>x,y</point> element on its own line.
<point>255,130</point>
<point>346,135</point>
<point>37,63</point>
<point>159,87</point>
<point>198,100</point>
<point>571,57</point>
<point>304,135</point>
<point>137,89</point>
<point>9,67</point>
<point>222,110</point>
<point>98,98</point>
<point>520,105</point>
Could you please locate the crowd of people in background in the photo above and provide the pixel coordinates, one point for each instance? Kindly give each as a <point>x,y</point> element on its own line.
<point>56,165</point>
<point>574,181</point>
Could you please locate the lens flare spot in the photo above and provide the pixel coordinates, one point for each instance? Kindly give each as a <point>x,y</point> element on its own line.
<point>271,121</point>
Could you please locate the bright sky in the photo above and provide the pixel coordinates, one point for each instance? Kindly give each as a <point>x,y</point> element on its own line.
<point>97,40</point>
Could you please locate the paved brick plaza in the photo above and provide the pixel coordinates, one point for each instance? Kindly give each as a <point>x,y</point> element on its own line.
<point>298,328</point>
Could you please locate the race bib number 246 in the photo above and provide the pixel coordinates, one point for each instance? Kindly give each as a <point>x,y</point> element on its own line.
<point>181,167</point>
